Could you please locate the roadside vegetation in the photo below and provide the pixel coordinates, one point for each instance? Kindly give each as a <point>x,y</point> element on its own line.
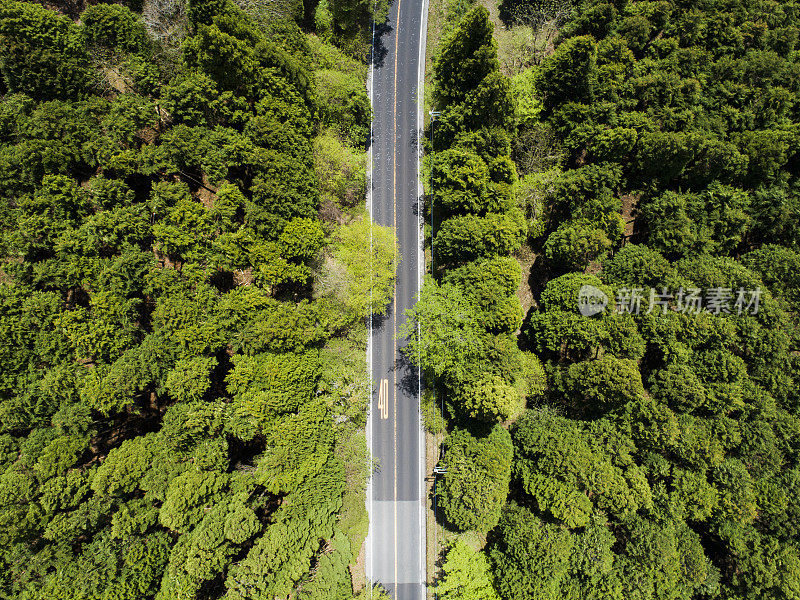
<point>183,293</point>
<point>648,451</point>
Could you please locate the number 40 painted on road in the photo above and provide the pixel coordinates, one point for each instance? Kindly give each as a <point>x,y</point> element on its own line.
<point>383,399</point>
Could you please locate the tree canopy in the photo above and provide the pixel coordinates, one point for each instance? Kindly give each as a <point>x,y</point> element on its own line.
<point>181,415</point>
<point>650,388</point>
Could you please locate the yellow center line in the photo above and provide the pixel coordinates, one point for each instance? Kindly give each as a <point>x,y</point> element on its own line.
<point>394,213</point>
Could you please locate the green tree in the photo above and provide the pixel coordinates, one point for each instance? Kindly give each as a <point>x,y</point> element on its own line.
<point>190,380</point>
<point>343,103</point>
<point>271,383</point>
<point>475,487</point>
<point>570,472</point>
<point>114,26</point>
<point>341,171</point>
<point>492,284</point>
<point>349,14</point>
<point>594,387</point>
<point>467,55</point>
<point>575,244</point>
<point>490,399</point>
<point>570,74</point>
<point>531,558</point>
<point>458,181</point>
<point>465,574</point>
<point>470,237</point>
<point>42,53</point>
<point>362,287</point>
<point>449,339</point>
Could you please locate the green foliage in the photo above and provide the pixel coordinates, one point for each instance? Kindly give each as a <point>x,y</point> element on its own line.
<point>715,221</point>
<point>527,98</point>
<point>459,180</point>
<point>571,471</point>
<point>467,55</point>
<point>42,53</point>
<point>432,416</point>
<point>449,331</point>
<point>491,399</point>
<point>341,171</point>
<point>344,105</point>
<point>193,99</point>
<point>349,14</point>
<point>778,268</point>
<point>492,284</point>
<point>466,238</point>
<point>465,574</point>
<point>475,487</point>
<point>531,557</point>
<point>657,457</point>
<point>186,498</point>
<point>570,74</point>
<point>563,293</point>
<point>190,380</point>
<point>269,383</point>
<point>575,244</point>
<point>360,287</point>
<point>169,425</point>
<point>114,26</point>
<point>595,387</point>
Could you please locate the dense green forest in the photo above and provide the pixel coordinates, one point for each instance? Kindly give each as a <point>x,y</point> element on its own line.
<point>631,454</point>
<point>183,292</point>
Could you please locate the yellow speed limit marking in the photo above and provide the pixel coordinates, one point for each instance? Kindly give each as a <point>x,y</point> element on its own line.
<point>383,399</point>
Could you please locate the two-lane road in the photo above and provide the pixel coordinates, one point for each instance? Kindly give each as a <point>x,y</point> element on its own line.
<point>396,542</point>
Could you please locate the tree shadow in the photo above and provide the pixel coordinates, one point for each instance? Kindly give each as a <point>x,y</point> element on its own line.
<point>379,49</point>
<point>379,320</point>
<point>407,375</point>
<point>412,139</point>
<point>418,204</point>
<point>541,273</point>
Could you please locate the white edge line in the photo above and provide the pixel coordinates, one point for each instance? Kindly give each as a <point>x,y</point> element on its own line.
<point>368,498</point>
<point>423,34</point>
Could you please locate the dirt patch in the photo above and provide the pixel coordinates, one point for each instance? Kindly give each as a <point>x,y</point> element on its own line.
<point>331,213</point>
<point>435,534</point>
<point>243,277</point>
<point>206,193</point>
<point>494,13</point>
<point>593,268</point>
<point>358,571</point>
<point>629,203</point>
<point>116,80</point>
<point>525,257</point>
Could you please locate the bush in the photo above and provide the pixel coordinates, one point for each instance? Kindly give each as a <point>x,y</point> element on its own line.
<point>115,27</point>
<point>42,55</point>
<point>344,106</point>
<point>466,238</point>
<point>474,490</point>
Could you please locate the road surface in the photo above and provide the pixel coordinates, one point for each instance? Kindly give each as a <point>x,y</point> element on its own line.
<point>396,542</point>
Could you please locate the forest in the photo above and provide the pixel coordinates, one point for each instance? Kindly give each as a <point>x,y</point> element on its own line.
<point>647,450</point>
<point>183,293</point>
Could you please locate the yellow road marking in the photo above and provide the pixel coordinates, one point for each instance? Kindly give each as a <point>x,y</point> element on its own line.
<point>383,398</point>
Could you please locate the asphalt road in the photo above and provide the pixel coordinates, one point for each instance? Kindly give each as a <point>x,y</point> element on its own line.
<point>396,543</point>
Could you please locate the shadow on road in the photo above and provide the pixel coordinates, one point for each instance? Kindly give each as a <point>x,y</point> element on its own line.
<point>407,375</point>
<point>378,321</point>
<point>379,50</point>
